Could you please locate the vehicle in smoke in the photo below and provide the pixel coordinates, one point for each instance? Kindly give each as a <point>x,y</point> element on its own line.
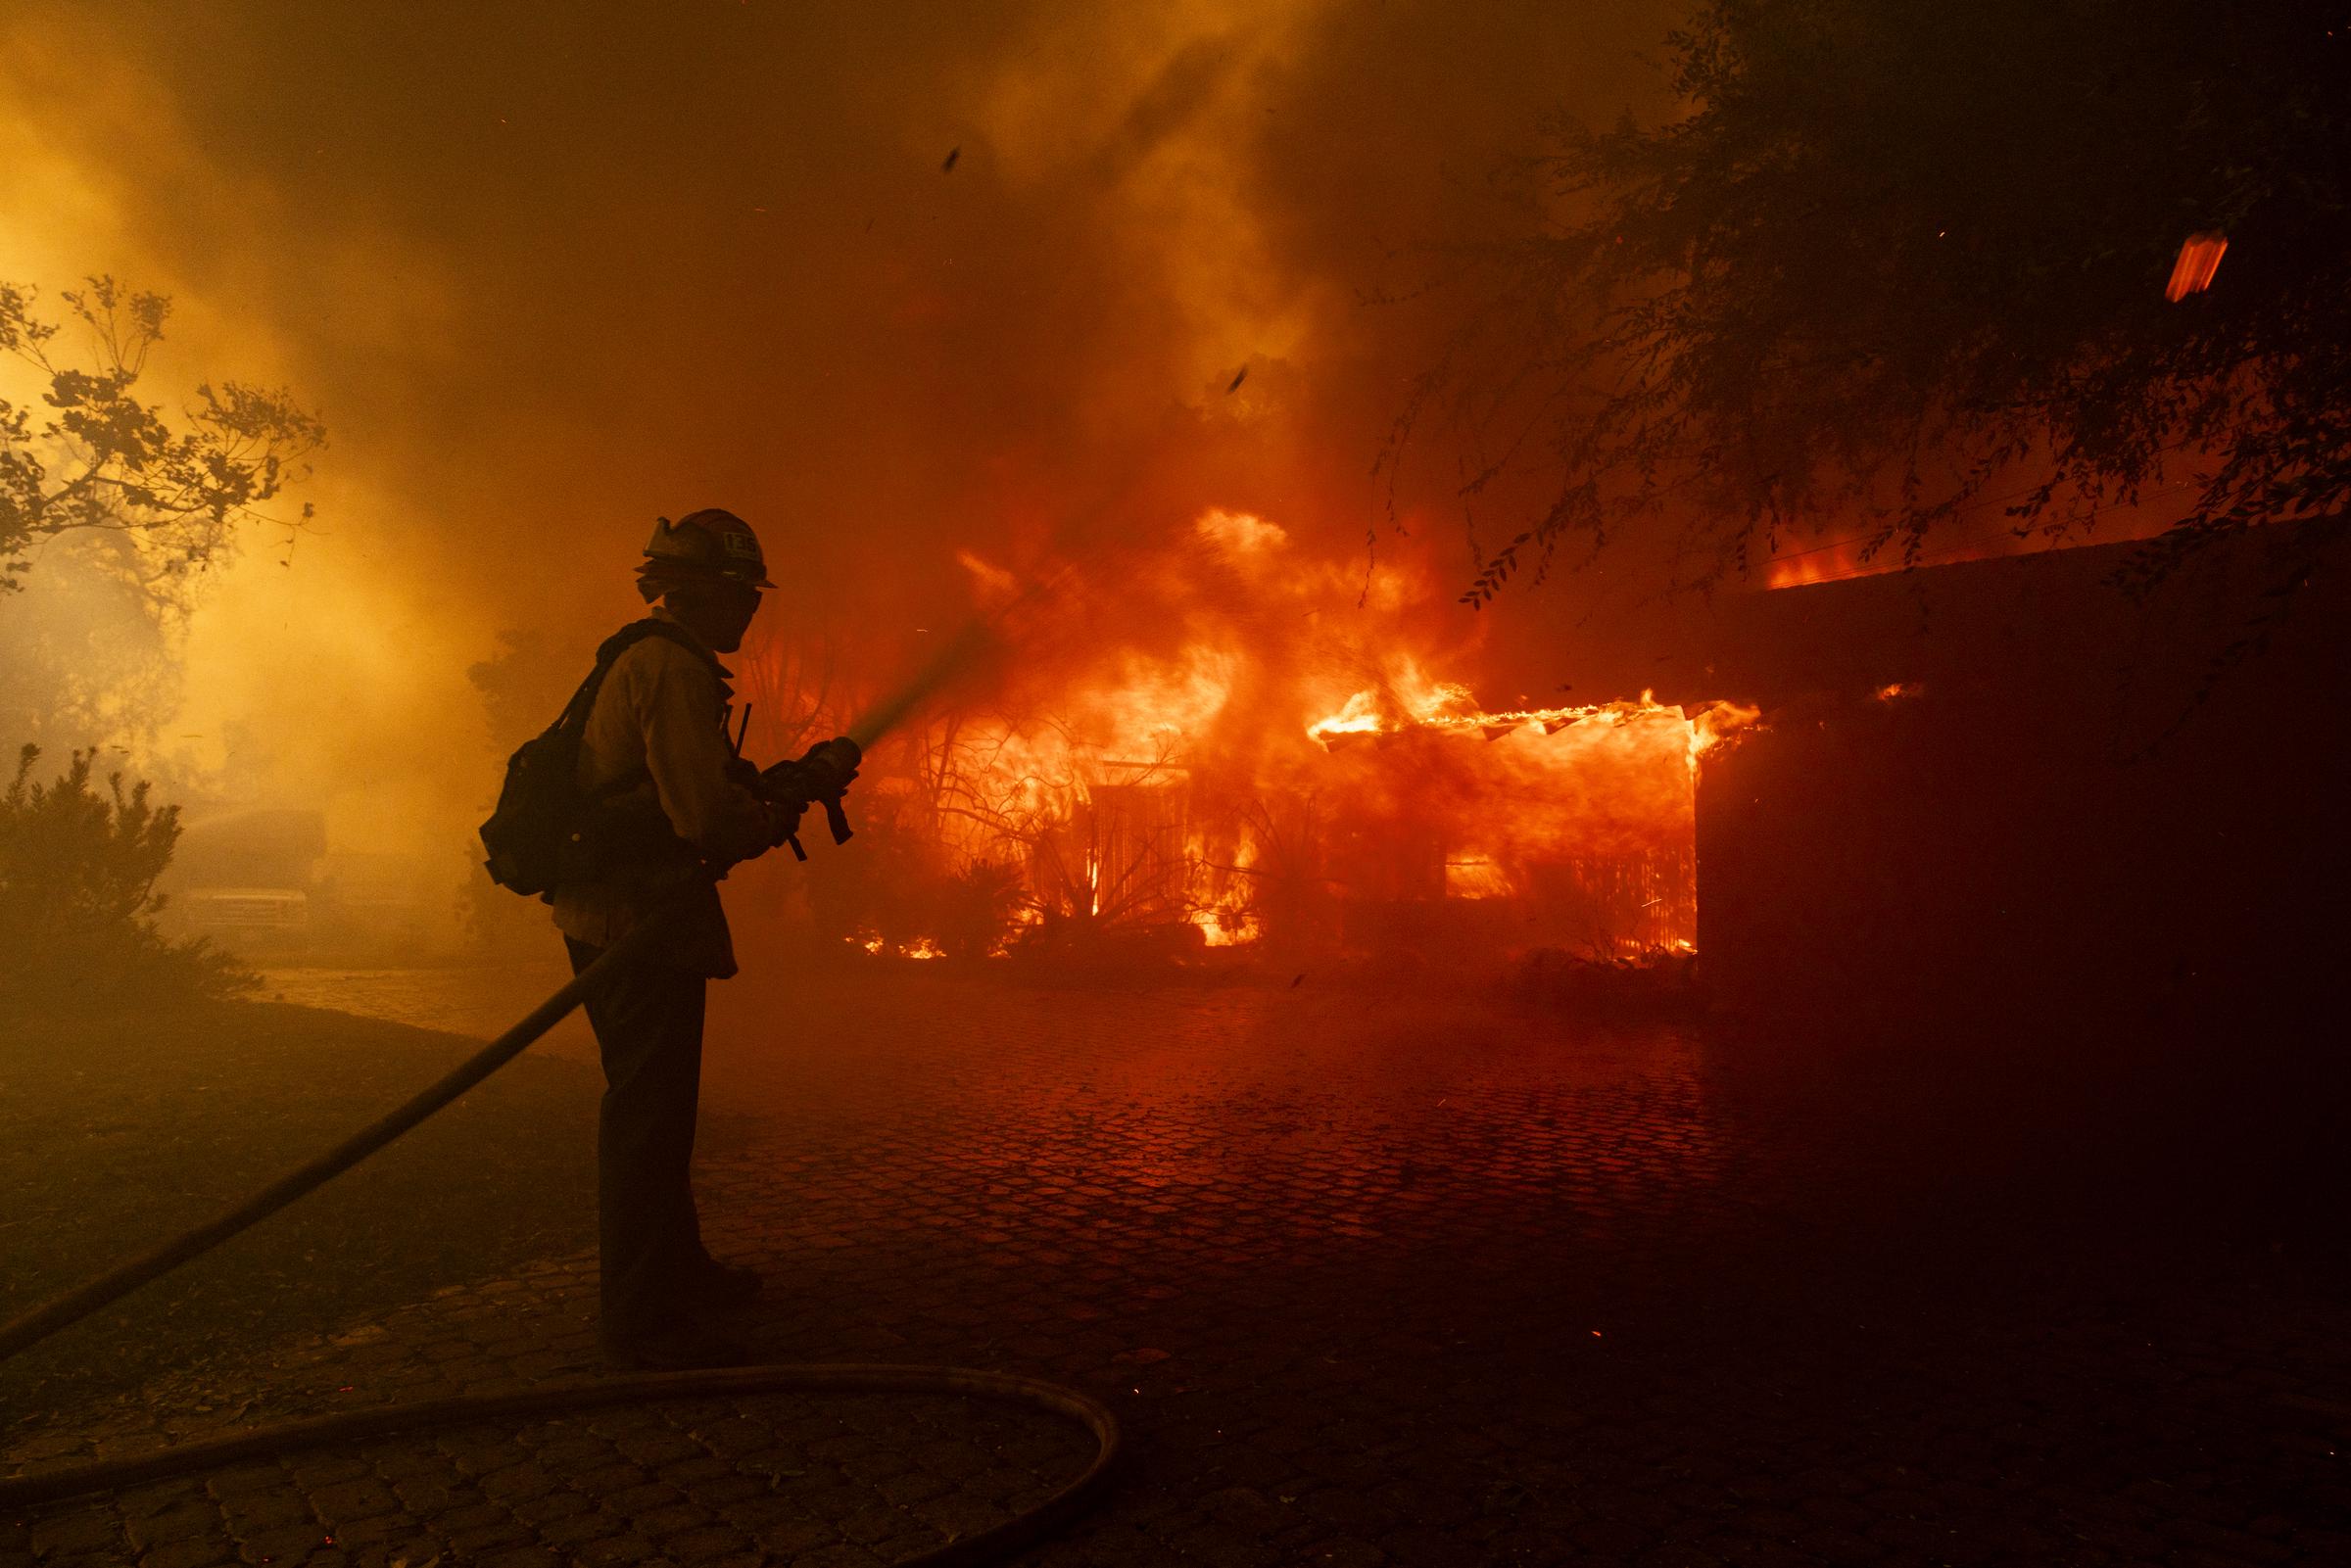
<point>269,884</point>
<point>244,879</point>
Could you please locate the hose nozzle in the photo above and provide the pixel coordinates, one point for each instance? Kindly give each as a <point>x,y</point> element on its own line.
<point>818,777</point>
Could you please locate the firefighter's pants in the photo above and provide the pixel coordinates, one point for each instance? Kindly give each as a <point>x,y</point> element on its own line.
<point>648,1028</point>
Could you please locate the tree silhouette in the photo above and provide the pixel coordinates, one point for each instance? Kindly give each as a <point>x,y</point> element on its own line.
<point>1894,262</point>
<point>101,462</point>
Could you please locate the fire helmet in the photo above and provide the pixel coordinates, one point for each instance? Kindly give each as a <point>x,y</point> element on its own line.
<point>709,544</point>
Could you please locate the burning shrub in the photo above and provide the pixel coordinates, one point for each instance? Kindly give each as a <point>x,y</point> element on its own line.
<point>77,900</point>
<point>1275,889</point>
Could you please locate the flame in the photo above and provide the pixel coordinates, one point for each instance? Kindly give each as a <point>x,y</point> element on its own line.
<point>1223,912</point>
<point>1408,699</point>
<point>1832,563</point>
<point>1714,723</point>
<point>1843,558</point>
<point>1984,530</point>
<point>1447,711</point>
<point>1225,927</point>
<point>1476,879</point>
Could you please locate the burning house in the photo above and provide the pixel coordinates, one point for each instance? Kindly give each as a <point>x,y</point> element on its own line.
<point>1247,777</point>
<point>1258,775</point>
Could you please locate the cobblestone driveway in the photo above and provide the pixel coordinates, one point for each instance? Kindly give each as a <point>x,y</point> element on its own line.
<point>1373,1279</point>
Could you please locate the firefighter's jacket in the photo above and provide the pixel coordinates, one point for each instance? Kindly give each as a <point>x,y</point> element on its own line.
<point>660,728</point>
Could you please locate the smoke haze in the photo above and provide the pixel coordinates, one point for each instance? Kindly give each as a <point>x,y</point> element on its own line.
<point>894,283</point>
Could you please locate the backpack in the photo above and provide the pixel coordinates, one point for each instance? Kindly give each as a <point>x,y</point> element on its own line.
<point>536,835</point>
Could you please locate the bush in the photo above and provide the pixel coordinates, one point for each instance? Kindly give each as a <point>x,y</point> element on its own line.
<point>976,906</point>
<point>77,899</point>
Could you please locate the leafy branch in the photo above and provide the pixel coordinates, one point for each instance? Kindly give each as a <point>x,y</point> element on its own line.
<point>101,460</point>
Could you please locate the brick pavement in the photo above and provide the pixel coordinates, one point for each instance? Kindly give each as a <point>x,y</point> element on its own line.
<point>1373,1279</point>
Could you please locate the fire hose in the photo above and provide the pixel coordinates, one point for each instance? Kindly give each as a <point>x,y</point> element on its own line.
<point>62,1312</point>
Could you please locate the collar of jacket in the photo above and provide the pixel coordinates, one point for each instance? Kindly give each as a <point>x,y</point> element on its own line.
<point>726,677</point>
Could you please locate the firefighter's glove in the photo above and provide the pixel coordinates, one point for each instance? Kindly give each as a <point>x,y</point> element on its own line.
<point>787,815</point>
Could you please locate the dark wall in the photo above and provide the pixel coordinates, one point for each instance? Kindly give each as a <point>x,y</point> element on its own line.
<point>2081,806</point>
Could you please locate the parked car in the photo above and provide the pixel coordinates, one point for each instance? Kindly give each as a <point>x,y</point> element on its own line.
<point>246,881</point>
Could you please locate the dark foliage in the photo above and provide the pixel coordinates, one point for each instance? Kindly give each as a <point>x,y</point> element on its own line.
<point>1657,985</point>
<point>976,909</point>
<point>77,899</point>
<point>1898,262</point>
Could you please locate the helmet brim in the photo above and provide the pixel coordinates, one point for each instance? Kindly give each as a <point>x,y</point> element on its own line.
<point>670,572</point>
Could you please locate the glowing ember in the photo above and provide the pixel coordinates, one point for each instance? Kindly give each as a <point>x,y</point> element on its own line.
<point>2199,259</point>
